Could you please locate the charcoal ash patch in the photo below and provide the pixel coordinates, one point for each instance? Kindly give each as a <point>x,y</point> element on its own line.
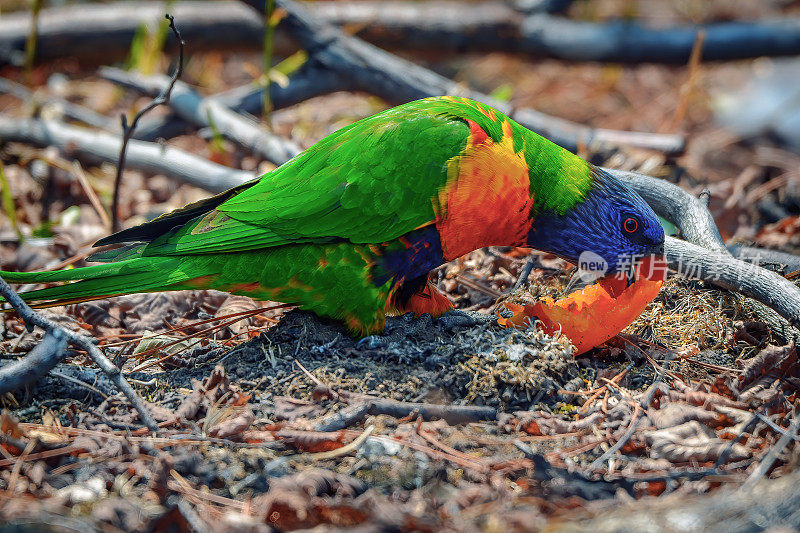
<point>418,359</point>
<point>470,360</point>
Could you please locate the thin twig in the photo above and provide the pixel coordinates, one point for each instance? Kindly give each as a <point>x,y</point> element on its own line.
<point>127,131</point>
<point>686,89</point>
<point>766,464</point>
<point>18,465</point>
<point>621,442</point>
<point>472,462</point>
<point>75,168</point>
<point>344,418</point>
<point>776,428</point>
<point>80,383</point>
<point>148,364</point>
<point>526,272</point>
<point>478,286</point>
<point>344,450</point>
<point>452,414</point>
<point>91,194</point>
<point>311,376</point>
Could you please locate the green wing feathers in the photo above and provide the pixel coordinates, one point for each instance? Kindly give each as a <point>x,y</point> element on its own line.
<point>113,279</point>
<point>370,182</point>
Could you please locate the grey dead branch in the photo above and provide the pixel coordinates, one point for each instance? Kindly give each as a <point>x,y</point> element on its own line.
<point>107,29</point>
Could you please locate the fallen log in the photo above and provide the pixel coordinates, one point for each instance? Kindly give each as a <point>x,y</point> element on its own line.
<point>102,32</point>
<point>396,80</point>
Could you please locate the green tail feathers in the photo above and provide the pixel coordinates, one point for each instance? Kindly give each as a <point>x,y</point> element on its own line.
<point>331,280</point>
<point>140,274</point>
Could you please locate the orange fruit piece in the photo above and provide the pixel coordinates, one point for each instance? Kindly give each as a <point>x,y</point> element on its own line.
<point>591,316</point>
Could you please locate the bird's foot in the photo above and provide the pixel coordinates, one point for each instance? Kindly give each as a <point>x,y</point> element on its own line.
<point>427,300</point>
<point>372,342</point>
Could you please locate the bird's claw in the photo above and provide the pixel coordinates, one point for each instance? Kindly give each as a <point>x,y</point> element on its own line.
<point>371,342</point>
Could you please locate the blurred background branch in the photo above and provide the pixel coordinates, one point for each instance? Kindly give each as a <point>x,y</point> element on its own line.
<point>104,31</point>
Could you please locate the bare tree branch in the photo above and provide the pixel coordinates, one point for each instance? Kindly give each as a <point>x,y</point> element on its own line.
<point>32,319</point>
<point>492,26</point>
<point>207,112</point>
<point>775,260</point>
<point>105,31</point>
<point>94,146</point>
<point>396,80</point>
<point>36,364</point>
<point>703,254</point>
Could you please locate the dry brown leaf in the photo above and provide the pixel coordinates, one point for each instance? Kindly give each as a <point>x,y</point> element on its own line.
<point>216,385</point>
<point>159,475</point>
<point>9,425</point>
<point>311,498</point>
<point>145,312</point>
<point>191,404</point>
<point>773,360</point>
<point>312,441</point>
<point>233,427</point>
<point>676,413</point>
<point>748,331</point>
<point>780,234</point>
<point>292,408</point>
<point>171,345</point>
<point>237,304</point>
<point>47,437</point>
<point>95,314</point>
<point>159,412</point>
<point>86,443</point>
<point>691,441</point>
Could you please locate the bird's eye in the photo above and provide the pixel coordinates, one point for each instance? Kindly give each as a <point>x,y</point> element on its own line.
<point>631,225</point>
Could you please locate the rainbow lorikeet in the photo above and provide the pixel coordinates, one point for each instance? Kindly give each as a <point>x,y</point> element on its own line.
<point>352,227</point>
